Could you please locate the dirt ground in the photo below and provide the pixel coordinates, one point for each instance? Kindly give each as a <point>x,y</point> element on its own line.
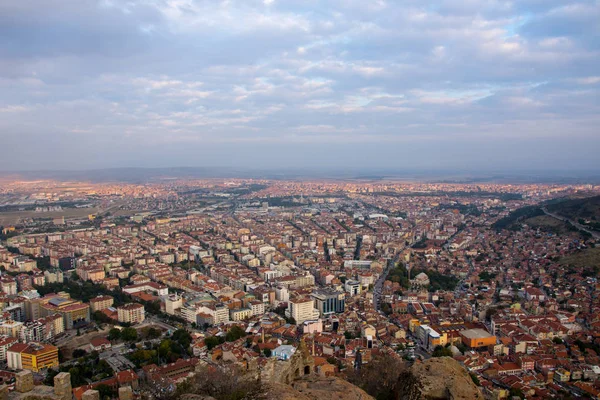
<point>13,217</point>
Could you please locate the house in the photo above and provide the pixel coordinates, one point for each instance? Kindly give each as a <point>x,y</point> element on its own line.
<point>100,344</point>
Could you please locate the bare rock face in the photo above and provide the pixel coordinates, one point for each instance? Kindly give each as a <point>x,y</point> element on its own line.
<point>437,378</point>
<point>317,388</point>
<point>195,397</point>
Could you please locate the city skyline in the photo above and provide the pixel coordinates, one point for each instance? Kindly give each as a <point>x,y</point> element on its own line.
<point>482,85</point>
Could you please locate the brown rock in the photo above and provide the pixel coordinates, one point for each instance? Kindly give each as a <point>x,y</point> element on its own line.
<point>316,388</point>
<point>437,378</point>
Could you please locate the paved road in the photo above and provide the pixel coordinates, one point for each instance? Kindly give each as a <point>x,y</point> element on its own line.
<point>378,287</point>
<point>575,224</point>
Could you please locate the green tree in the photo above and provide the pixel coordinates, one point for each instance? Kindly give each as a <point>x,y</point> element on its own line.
<point>440,351</point>
<point>151,333</point>
<point>79,353</point>
<point>129,334</point>
<point>182,337</point>
<point>105,391</point>
<point>114,334</point>
<point>213,341</point>
<point>234,334</point>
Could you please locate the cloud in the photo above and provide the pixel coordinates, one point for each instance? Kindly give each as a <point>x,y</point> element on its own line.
<point>147,74</point>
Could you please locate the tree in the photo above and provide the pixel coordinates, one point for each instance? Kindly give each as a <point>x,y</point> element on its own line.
<point>267,352</point>
<point>182,337</point>
<point>105,391</point>
<point>79,353</point>
<point>234,334</point>
<point>151,333</point>
<point>101,318</point>
<point>129,334</point>
<point>440,351</point>
<point>114,334</point>
<point>213,341</point>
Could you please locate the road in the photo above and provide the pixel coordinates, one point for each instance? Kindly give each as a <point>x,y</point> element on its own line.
<point>378,287</point>
<point>577,225</point>
<point>459,287</point>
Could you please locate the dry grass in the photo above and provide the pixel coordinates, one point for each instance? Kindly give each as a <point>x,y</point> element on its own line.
<point>585,258</point>
<point>547,223</point>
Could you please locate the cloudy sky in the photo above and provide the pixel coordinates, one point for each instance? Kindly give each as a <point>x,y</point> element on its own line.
<point>470,84</point>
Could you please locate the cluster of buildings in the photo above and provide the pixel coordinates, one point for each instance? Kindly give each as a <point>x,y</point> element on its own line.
<point>307,262</point>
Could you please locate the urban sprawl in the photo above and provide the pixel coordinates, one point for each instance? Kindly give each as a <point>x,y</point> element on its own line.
<point>128,290</point>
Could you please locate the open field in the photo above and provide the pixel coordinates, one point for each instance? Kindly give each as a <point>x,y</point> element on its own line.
<point>586,258</point>
<point>547,223</point>
<point>13,217</point>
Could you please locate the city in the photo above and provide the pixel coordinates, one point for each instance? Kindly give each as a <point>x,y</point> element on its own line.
<point>133,290</point>
<point>299,200</point>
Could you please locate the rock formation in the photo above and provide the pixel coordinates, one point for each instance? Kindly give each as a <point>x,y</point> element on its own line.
<point>316,388</point>
<point>437,378</point>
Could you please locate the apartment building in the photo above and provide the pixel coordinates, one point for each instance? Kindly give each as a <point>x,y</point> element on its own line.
<point>132,313</point>
<point>101,303</point>
<point>301,309</point>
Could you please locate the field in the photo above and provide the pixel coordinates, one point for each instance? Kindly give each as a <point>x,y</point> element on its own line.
<point>547,223</point>
<point>13,217</point>
<point>586,258</point>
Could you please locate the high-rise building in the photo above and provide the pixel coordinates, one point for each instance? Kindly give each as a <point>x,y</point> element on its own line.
<point>329,301</point>
<point>301,309</point>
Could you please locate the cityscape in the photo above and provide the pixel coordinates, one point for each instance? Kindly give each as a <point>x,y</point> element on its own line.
<point>299,200</point>
<point>128,290</point>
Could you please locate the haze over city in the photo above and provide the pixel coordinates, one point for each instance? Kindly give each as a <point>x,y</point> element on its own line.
<point>476,85</point>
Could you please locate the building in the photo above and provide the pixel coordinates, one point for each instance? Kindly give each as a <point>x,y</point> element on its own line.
<point>132,313</point>
<point>258,307</point>
<point>101,303</point>
<point>33,356</point>
<point>100,344</point>
<point>284,352</point>
<point>172,303</point>
<point>240,314</point>
<point>8,284</point>
<point>5,343</point>
<point>302,309</point>
<point>329,301</point>
<point>352,287</point>
<point>74,312</point>
<point>54,276</point>
<point>11,328</point>
<point>476,338</point>
<point>156,288</point>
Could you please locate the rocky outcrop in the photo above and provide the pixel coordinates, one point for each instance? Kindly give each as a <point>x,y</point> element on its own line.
<point>437,378</point>
<point>190,396</point>
<point>300,364</point>
<point>316,388</point>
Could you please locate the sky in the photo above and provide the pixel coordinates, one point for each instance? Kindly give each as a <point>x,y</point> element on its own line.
<point>450,84</point>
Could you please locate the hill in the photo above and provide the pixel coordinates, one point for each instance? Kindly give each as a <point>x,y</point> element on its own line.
<point>585,211</point>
